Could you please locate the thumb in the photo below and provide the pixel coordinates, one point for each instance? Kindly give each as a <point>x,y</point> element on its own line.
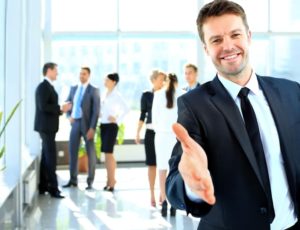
<point>181,134</point>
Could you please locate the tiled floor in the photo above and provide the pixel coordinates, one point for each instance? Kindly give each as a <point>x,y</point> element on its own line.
<point>127,208</point>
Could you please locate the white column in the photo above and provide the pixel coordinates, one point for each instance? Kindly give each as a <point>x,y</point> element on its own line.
<point>13,93</point>
<point>33,71</point>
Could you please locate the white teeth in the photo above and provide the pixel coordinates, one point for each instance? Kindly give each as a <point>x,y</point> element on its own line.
<point>230,57</point>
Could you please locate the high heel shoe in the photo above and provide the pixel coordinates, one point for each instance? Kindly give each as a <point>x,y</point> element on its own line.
<point>164,208</point>
<point>172,211</point>
<point>108,188</point>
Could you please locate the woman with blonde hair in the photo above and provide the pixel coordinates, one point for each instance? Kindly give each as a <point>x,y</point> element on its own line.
<point>157,79</point>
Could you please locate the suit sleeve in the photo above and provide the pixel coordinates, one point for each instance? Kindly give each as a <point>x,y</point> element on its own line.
<point>70,99</point>
<point>143,107</point>
<point>175,188</point>
<point>45,103</point>
<point>96,108</point>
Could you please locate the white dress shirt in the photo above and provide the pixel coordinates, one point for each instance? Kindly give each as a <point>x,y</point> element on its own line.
<point>113,104</point>
<point>162,117</point>
<point>49,80</point>
<point>282,202</point>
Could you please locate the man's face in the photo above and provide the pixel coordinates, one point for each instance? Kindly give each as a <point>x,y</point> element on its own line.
<point>190,75</point>
<point>227,43</point>
<point>52,73</point>
<point>84,76</point>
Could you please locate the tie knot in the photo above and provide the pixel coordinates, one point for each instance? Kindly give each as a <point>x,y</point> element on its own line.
<point>243,92</point>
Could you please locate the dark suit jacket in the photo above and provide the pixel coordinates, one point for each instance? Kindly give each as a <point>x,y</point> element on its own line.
<point>47,108</point>
<point>90,106</point>
<point>146,106</point>
<point>212,118</point>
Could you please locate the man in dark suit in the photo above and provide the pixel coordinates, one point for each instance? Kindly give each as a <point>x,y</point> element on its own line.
<point>236,164</point>
<point>191,77</point>
<point>83,117</point>
<point>47,123</point>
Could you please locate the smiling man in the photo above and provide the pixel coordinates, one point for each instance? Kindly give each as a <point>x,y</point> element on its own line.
<point>236,164</point>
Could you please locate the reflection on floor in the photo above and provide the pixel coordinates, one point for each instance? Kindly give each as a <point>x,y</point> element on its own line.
<point>127,208</point>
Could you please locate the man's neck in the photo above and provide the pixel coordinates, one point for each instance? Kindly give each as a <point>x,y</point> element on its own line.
<point>193,85</point>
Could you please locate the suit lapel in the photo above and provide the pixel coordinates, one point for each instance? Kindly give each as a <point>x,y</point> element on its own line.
<point>86,92</point>
<point>222,100</point>
<point>275,102</point>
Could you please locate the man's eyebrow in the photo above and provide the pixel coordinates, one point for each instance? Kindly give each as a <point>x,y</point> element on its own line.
<point>219,36</point>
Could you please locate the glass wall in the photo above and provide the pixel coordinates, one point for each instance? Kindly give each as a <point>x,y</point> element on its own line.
<point>2,70</point>
<point>112,35</point>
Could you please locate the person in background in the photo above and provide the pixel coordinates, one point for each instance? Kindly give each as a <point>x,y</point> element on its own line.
<point>237,162</point>
<point>46,123</point>
<point>157,79</point>
<point>83,118</point>
<point>191,77</point>
<point>113,111</point>
<point>164,114</point>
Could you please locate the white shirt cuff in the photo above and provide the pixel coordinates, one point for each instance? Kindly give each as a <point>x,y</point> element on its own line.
<point>192,196</point>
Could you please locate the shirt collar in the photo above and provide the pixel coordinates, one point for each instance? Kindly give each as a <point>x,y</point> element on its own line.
<point>49,80</point>
<point>83,85</point>
<point>234,88</point>
<point>193,86</point>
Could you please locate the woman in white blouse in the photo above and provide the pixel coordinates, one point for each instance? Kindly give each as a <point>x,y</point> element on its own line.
<point>113,110</point>
<point>164,115</point>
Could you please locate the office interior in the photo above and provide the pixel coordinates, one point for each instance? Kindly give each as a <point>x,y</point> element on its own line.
<point>131,37</point>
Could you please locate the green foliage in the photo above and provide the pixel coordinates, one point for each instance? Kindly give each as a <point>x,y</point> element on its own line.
<point>2,149</point>
<point>121,134</point>
<point>97,141</point>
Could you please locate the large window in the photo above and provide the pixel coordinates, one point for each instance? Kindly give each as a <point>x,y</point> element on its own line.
<point>157,15</point>
<point>113,36</point>
<point>133,37</point>
<point>2,64</point>
<point>285,17</point>
<point>84,15</point>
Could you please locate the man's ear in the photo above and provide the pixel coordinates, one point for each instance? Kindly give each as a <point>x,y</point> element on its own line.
<point>205,49</point>
<point>249,35</point>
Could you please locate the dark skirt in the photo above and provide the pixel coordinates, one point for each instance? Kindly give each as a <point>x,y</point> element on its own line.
<point>109,134</point>
<point>149,147</point>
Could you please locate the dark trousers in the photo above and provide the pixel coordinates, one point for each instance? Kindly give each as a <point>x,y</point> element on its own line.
<point>48,179</point>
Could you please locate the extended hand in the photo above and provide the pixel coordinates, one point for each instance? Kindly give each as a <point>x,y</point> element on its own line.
<point>67,106</point>
<point>193,166</point>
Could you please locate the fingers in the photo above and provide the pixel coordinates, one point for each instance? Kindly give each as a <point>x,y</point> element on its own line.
<point>182,135</point>
<point>205,190</point>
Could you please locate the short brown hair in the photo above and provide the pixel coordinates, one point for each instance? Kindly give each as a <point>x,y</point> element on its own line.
<point>190,65</point>
<point>218,8</point>
<point>87,69</point>
<point>48,65</point>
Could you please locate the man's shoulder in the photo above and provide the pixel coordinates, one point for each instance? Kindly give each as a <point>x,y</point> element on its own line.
<point>43,85</point>
<point>278,82</point>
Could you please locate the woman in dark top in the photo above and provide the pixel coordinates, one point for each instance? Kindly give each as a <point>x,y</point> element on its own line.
<point>157,79</point>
